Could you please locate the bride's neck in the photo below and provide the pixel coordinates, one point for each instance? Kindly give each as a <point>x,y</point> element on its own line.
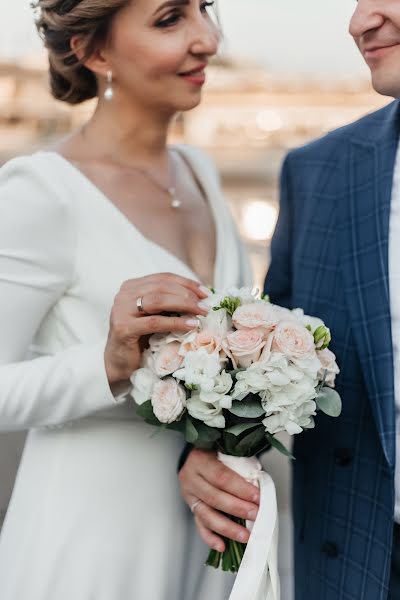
<point>127,135</point>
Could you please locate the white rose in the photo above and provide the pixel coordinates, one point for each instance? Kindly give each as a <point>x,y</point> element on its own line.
<point>258,315</point>
<point>209,414</point>
<point>143,381</point>
<point>244,346</point>
<point>293,340</point>
<point>168,400</point>
<point>200,368</point>
<point>219,395</point>
<point>329,368</point>
<point>217,322</point>
<point>168,360</point>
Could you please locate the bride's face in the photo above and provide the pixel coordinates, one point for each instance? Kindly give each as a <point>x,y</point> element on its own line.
<point>158,52</point>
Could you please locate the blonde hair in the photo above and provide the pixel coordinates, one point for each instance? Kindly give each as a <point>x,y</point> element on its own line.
<point>58,21</point>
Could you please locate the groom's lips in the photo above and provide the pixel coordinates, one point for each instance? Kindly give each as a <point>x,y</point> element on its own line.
<point>376,51</point>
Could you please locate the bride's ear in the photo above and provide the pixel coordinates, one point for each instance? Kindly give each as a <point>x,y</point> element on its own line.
<point>93,59</point>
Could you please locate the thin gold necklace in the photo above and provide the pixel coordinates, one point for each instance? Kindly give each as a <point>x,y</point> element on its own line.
<point>175,202</point>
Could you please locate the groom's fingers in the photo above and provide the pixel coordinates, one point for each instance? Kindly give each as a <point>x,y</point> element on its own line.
<point>209,538</point>
<point>219,476</point>
<point>220,524</point>
<point>222,501</point>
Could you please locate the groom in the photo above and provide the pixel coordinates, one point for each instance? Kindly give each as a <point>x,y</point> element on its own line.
<point>336,253</point>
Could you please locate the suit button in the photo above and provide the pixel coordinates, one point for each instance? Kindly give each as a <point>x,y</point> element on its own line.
<point>343,457</point>
<point>330,549</point>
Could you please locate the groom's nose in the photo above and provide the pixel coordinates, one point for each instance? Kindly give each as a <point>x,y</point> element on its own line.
<point>366,18</point>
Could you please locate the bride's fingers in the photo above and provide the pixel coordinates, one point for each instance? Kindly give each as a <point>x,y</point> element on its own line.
<point>209,538</point>
<point>220,524</point>
<point>171,278</point>
<point>160,324</point>
<point>156,303</point>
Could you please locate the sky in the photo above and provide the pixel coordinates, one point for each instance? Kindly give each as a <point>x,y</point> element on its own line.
<point>296,38</point>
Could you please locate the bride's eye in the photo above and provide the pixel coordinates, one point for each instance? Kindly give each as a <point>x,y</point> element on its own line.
<point>172,19</point>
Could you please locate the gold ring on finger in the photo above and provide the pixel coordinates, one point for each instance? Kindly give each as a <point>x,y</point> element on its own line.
<point>139,305</point>
<point>195,505</point>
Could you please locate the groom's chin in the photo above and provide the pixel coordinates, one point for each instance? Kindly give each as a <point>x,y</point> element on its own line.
<point>386,81</point>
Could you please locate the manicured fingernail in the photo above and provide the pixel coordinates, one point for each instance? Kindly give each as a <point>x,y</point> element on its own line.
<point>252,515</point>
<point>243,536</point>
<point>256,497</point>
<point>220,548</point>
<point>204,306</point>
<point>205,290</point>
<point>193,323</point>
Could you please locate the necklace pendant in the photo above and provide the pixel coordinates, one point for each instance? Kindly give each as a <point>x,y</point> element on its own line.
<point>176,203</point>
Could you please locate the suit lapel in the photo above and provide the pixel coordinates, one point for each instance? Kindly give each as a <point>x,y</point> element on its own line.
<point>365,239</point>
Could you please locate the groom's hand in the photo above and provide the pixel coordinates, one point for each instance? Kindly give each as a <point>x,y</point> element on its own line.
<point>221,490</point>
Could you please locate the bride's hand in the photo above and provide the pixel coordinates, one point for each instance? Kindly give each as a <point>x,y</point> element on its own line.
<point>159,293</point>
<point>204,478</point>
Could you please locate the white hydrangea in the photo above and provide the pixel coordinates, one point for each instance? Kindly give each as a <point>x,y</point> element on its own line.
<point>292,419</point>
<point>200,369</point>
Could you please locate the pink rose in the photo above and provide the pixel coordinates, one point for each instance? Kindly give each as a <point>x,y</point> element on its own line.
<point>244,346</point>
<point>168,360</point>
<point>205,339</point>
<point>259,315</point>
<point>292,339</point>
<point>168,400</point>
<point>329,368</point>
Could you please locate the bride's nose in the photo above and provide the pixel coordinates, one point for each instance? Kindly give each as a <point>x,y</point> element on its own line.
<point>205,37</point>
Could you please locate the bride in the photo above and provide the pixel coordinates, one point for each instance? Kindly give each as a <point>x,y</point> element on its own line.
<point>111,221</point>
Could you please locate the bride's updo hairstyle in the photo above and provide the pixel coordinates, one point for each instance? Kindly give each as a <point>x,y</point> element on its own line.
<point>58,21</point>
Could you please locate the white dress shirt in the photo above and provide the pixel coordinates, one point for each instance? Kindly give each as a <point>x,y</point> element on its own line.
<point>394,279</point>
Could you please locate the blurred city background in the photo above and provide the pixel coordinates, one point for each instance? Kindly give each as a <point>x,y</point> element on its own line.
<point>287,72</point>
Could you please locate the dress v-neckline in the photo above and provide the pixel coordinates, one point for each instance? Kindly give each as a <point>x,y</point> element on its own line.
<point>127,222</point>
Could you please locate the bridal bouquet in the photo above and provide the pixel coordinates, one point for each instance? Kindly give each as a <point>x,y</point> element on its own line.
<point>252,369</point>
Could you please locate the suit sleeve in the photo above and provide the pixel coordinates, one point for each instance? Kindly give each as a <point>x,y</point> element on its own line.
<point>278,283</point>
<point>37,249</point>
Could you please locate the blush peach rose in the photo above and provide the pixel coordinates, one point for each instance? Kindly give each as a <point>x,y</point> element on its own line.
<point>329,368</point>
<point>259,315</point>
<point>168,360</point>
<point>244,346</point>
<point>168,400</point>
<point>205,339</point>
<point>293,340</point>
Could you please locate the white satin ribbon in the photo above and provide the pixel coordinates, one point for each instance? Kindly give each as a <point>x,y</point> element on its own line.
<point>258,577</point>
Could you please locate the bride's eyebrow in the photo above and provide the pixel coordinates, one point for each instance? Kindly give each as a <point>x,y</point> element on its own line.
<point>172,4</point>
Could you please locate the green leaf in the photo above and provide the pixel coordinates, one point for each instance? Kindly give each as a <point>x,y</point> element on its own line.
<point>145,411</point>
<point>329,402</point>
<point>275,443</point>
<point>230,304</point>
<point>251,443</point>
<point>190,432</point>
<point>238,429</point>
<point>208,434</point>
<point>249,409</point>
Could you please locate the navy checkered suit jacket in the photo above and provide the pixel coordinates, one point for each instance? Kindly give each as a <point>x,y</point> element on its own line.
<point>330,257</point>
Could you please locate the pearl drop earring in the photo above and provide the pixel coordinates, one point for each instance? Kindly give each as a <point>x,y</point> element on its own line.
<point>109,92</point>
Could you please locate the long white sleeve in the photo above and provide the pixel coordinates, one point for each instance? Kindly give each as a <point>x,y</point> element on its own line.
<point>37,250</point>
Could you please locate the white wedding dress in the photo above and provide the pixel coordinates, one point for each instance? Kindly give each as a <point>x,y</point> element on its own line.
<point>96,512</point>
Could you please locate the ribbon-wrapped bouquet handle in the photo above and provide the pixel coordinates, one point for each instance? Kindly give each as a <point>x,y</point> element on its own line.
<point>258,577</point>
